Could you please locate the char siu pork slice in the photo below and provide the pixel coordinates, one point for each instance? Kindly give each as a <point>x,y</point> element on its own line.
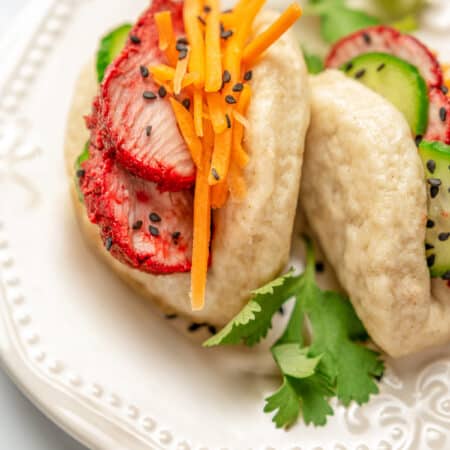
<point>136,122</point>
<point>141,226</point>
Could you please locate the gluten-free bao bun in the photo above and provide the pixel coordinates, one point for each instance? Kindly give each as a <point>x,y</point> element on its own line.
<point>251,241</point>
<point>365,196</point>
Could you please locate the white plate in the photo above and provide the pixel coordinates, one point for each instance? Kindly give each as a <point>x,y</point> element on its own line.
<point>96,359</point>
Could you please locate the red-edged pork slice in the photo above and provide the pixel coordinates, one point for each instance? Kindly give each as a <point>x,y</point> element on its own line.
<point>388,40</point>
<point>136,123</point>
<point>438,117</point>
<point>141,226</point>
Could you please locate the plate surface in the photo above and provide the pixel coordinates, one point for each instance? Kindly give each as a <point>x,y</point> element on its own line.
<point>95,358</point>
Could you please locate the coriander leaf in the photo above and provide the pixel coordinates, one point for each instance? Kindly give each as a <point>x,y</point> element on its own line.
<point>294,361</point>
<point>343,21</point>
<point>285,402</point>
<point>255,319</point>
<point>313,62</point>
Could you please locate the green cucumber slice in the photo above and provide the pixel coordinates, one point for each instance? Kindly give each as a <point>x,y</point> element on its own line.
<point>436,160</point>
<point>397,81</point>
<point>110,46</point>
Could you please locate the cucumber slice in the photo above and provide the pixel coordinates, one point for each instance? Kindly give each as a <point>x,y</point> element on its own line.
<point>397,81</point>
<point>110,46</point>
<point>436,160</point>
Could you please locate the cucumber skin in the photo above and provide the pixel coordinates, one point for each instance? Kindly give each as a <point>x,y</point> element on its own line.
<point>440,154</point>
<point>110,46</point>
<point>419,129</point>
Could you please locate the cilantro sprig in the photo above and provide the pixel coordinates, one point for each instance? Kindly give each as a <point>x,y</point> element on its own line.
<point>330,362</point>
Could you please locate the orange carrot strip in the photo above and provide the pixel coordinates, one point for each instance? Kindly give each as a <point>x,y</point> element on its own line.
<point>272,34</point>
<point>163,73</point>
<point>238,186</point>
<point>217,112</point>
<point>201,238</point>
<point>198,112</point>
<point>213,56</point>
<point>180,72</point>
<point>219,195</point>
<point>194,32</point>
<point>167,39</point>
<point>227,20</point>
<point>221,157</point>
<point>187,129</point>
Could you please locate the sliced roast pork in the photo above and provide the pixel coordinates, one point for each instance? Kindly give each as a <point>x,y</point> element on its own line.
<point>135,120</point>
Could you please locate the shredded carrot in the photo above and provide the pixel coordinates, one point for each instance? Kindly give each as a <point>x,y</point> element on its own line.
<point>217,112</point>
<point>186,126</point>
<point>227,20</point>
<point>163,74</point>
<point>241,119</point>
<point>191,12</point>
<point>167,40</point>
<point>221,157</point>
<point>180,72</point>
<point>238,186</point>
<point>219,195</point>
<point>201,238</point>
<point>198,112</point>
<point>213,57</point>
<point>262,42</point>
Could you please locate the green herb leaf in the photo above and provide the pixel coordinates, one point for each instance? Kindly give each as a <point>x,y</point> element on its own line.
<point>255,320</point>
<point>314,63</point>
<point>84,156</point>
<point>294,360</point>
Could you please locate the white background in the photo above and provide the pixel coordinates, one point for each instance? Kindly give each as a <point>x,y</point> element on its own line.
<point>22,426</point>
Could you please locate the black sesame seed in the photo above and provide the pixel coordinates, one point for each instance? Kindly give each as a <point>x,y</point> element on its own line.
<point>348,67</point>
<point>444,237</point>
<point>154,217</point>
<point>201,20</point>
<point>381,67</point>
<point>226,77</point>
<point>429,246</point>
<point>195,326</point>
<point>144,71</point>
<point>186,103</point>
<point>182,55</point>
<point>171,316</point>
<point>434,191</point>
<point>367,38</point>
<point>444,90</point>
<point>81,173</point>
<point>176,235</point>
<point>430,223</point>
<point>281,310</point>
<point>138,225</point>
<point>215,174</point>
<point>226,34</point>
<point>153,231</point>
<point>109,243</point>
<point>212,329</point>
<point>434,182</point>
<point>443,114</point>
<point>134,39</point>
<point>227,117</point>
<point>149,95</point>
<point>162,91</point>
<point>418,139</point>
<point>148,130</point>
<point>378,377</point>
<point>320,267</point>
<point>183,41</point>
<point>180,47</point>
<point>248,75</point>
<point>360,74</point>
<point>431,165</point>
<point>431,260</point>
<point>446,276</point>
<point>230,100</point>
<point>207,9</point>
<point>238,87</point>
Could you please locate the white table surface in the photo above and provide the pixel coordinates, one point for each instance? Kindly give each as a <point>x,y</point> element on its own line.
<point>22,426</point>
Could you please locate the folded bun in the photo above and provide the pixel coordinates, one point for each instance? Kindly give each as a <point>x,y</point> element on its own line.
<point>251,242</point>
<point>365,197</point>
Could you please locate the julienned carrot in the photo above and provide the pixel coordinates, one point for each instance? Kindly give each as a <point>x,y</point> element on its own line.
<point>198,112</point>
<point>237,184</point>
<point>221,157</point>
<point>180,73</point>
<point>217,112</point>
<point>227,20</point>
<point>201,238</point>
<point>263,41</point>
<point>187,129</point>
<point>192,10</point>
<point>219,195</point>
<point>213,58</point>
<point>238,154</point>
<point>167,39</point>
